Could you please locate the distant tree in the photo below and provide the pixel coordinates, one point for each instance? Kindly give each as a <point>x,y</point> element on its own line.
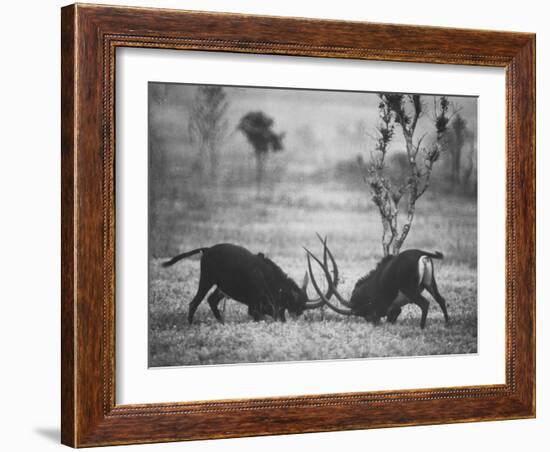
<point>351,136</point>
<point>258,129</point>
<point>207,123</point>
<point>402,112</point>
<point>354,133</point>
<point>307,137</point>
<point>158,161</point>
<point>469,179</point>
<point>456,136</point>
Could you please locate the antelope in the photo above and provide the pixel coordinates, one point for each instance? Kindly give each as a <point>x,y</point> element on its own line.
<point>396,280</point>
<point>252,279</point>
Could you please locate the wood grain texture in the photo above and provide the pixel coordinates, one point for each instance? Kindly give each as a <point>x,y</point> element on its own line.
<point>67,226</point>
<point>90,36</point>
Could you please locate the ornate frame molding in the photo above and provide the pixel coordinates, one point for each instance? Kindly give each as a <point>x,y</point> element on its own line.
<point>90,37</point>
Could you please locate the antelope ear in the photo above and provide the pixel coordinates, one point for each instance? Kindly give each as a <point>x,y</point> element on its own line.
<point>305,282</point>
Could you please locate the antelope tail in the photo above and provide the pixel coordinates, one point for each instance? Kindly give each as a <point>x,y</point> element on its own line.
<point>434,255</point>
<point>426,269</point>
<point>181,256</point>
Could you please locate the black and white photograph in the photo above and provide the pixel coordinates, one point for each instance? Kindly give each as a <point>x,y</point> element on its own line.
<point>296,224</point>
<point>275,226</point>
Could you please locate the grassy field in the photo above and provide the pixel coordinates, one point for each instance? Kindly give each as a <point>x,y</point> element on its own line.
<point>279,223</point>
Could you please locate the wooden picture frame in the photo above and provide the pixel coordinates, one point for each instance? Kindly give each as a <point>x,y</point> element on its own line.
<point>90,35</point>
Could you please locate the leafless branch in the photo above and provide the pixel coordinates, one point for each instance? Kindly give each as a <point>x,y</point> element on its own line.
<point>404,111</point>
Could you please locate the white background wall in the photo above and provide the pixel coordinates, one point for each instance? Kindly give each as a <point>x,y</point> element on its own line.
<point>29,225</point>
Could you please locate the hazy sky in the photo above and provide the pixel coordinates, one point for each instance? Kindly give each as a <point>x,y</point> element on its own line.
<point>324,112</point>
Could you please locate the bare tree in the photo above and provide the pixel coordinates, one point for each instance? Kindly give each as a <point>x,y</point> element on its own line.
<point>469,183</point>
<point>402,112</point>
<point>207,123</point>
<point>258,129</point>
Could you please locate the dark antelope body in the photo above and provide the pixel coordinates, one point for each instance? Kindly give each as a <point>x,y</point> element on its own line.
<point>249,278</point>
<point>396,281</point>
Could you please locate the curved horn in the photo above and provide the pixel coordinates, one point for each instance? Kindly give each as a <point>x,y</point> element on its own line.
<point>333,289</point>
<point>316,286</point>
<point>313,303</point>
<point>318,302</point>
<point>305,282</point>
